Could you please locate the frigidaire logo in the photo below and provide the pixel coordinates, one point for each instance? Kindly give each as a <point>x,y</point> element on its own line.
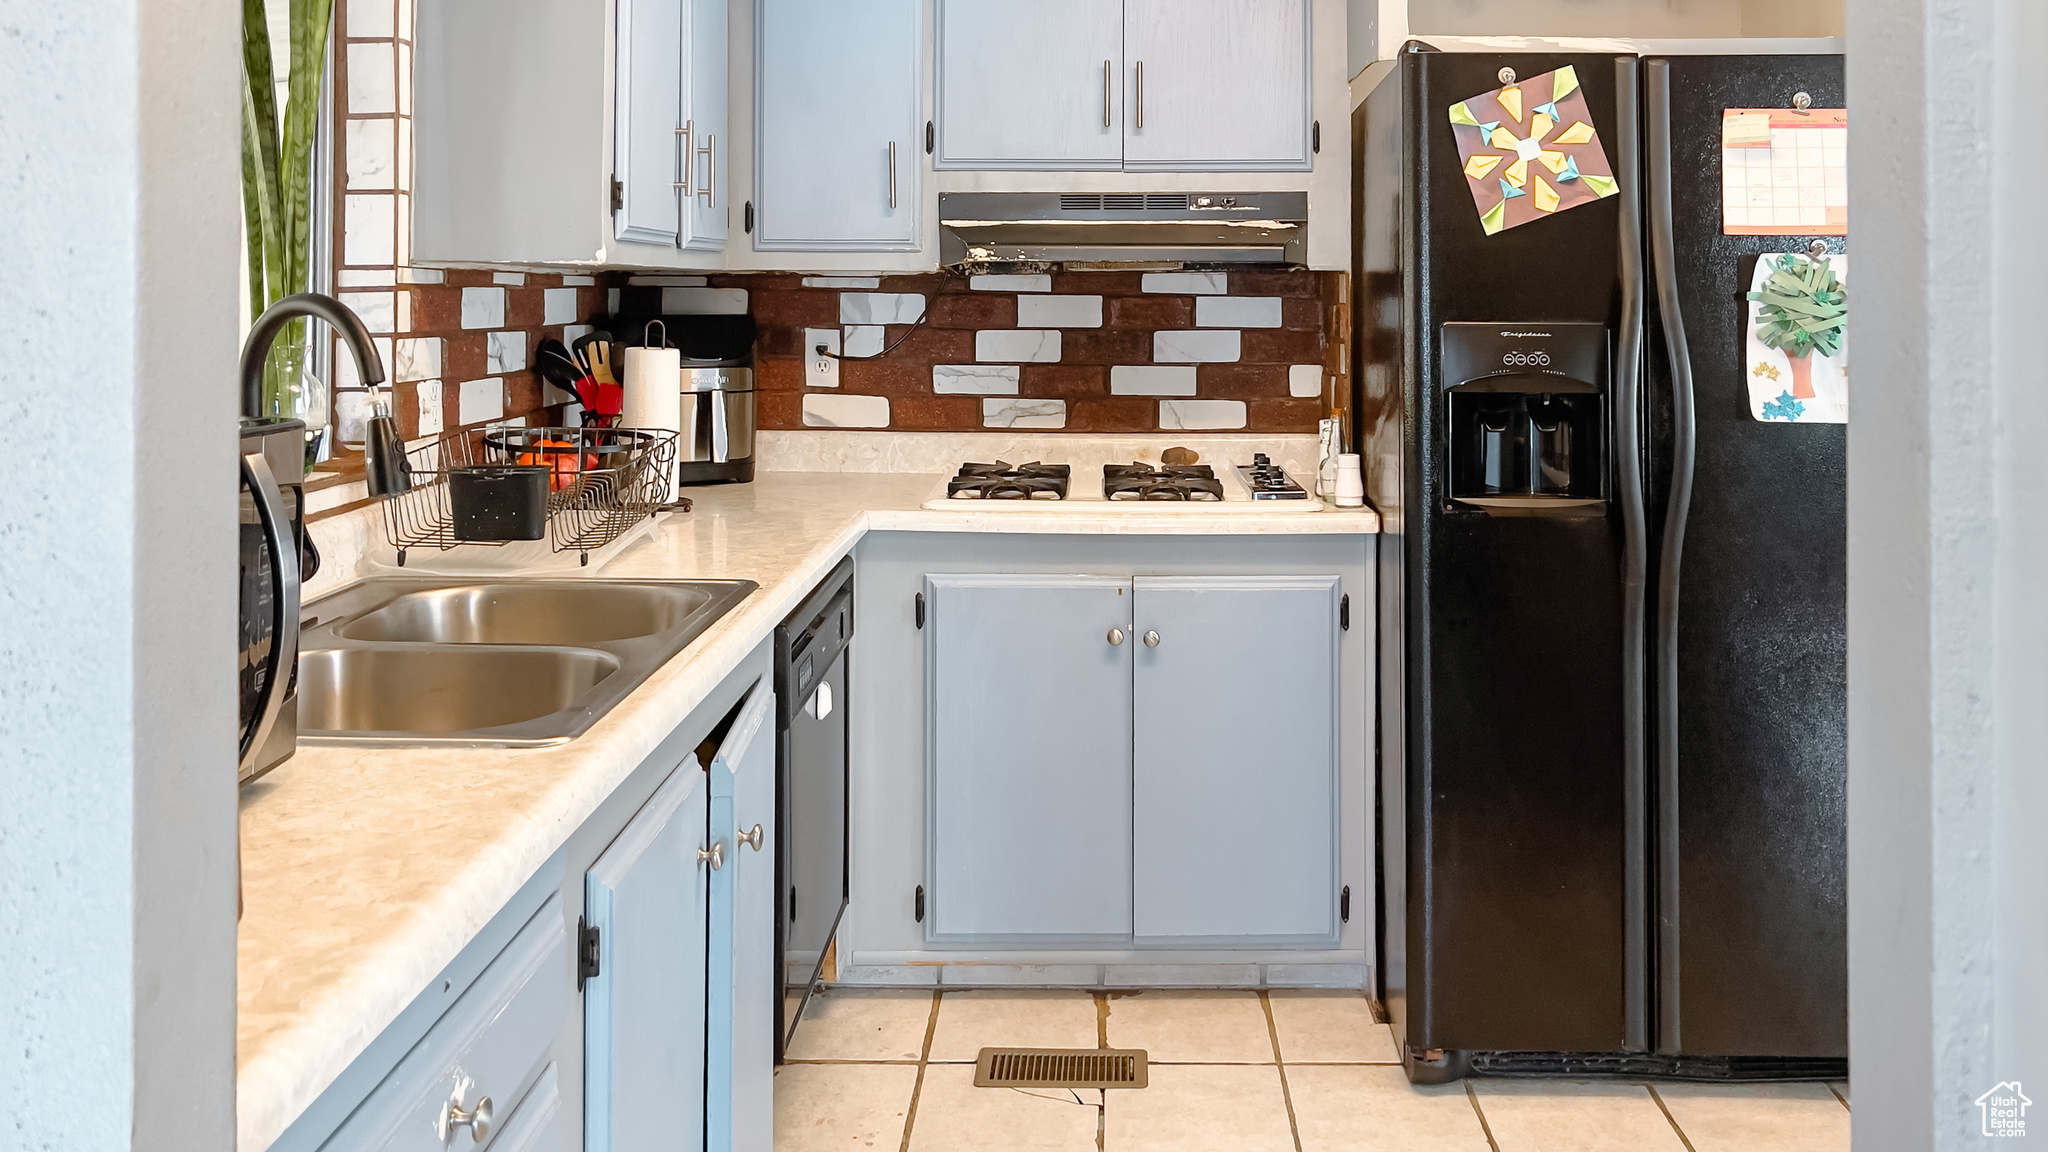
<point>1545,335</point>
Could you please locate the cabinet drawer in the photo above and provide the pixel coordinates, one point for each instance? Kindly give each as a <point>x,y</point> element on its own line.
<point>537,1125</point>
<point>489,1043</point>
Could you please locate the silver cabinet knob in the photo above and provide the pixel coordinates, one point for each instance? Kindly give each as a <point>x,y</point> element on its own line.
<point>1151,638</point>
<point>750,839</point>
<point>1116,637</point>
<point>477,1120</point>
<point>715,854</point>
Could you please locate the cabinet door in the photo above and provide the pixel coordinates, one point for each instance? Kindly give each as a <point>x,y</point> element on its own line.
<point>1030,86</point>
<point>1234,777</point>
<point>1217,85</point>
<point>646,116</point>
<point>1029,707</point>
<point>840,138</point>
<point>706,121</point>
<point>742,975</point>
<point>643,1014</point>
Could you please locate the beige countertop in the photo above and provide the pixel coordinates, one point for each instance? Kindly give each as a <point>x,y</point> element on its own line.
<point>366,870</point>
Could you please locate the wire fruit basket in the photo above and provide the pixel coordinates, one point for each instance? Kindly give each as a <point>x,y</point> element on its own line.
<point>601,483</point>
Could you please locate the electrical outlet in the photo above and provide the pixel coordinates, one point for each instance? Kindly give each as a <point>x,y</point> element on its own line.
<point>821,371</point>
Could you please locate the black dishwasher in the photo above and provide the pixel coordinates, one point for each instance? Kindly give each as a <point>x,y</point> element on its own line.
<point>810,789</point>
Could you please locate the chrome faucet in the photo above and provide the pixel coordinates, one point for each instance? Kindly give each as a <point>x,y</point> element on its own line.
<point>384,465</point>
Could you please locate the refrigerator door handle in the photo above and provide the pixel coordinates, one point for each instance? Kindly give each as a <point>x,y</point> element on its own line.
<point>1628,409</point>
<point>1683,444</point>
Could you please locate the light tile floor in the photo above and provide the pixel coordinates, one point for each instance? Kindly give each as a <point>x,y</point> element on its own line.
<point>1245,1071</point>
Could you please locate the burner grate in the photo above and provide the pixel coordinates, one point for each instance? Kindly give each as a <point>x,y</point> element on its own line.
<point>1003,481</point>
<point>1144,482</point>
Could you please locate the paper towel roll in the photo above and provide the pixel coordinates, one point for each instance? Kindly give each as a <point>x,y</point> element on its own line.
<point>654,398</point>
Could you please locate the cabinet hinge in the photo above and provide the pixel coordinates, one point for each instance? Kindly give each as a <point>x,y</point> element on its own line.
<point>1344,612</point>
<point>920,903</point>
<point>928,138</point>
<point>1315,136</point>
<point>618,194</point>
<point>1344,904</point>
<point>748,224</point>
<point>586,952</point>
<point>920,624</point>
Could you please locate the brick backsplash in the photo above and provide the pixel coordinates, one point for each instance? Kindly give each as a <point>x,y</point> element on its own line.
<point>1043,352</point>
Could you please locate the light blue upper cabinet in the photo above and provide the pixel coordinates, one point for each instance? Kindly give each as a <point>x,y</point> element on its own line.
<point>648,114</point>
<point>1034,85</point>
<point>704,128</point>
<point>643,1013</point>
<point>1217,85</point>
<point>839,129</point>
<point>743,1013</point>
<point>1029,702</point>
<point>1234,775</point>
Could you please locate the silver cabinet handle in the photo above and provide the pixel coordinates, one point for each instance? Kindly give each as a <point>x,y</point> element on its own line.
<point>1116,637</point>
<point>715,854</point>
<point>687,132</point>
<point>892,173</point>
<point>1151,638</point>
<point>1141,93</point>
<point>1105,93</point>
<point>751,839</point>
<point>477,1120</point>
<point>709,188</point>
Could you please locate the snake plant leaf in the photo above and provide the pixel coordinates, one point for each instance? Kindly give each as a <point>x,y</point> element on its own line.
<point>277,171</point>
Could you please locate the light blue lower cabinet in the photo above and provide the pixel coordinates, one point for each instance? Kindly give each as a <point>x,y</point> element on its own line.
<point>1234,765</point>
<point>1029,705</point>
<point>537,1125</point>
<point>742,1012</point>
<point>647,898</point>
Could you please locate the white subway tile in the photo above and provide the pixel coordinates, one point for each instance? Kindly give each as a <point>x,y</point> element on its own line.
<point>704,301</point>
<point>975,379</point>
<point>401,312</point>
<point>371,144</point>
<point>821,411</point>
<point>420,276</point>
<point>842,281</point>
<point>372,84</point>
<point>880,307</point>
<point>861,339</point>
<point>375,309</point>
<point>1304,380</point>
<point>558,306</point>
<point>1017,344</point>
<point>418,358</point>
<point>579,281</point>
<point>368,230</point>
<point>430,406</point>
<point>1010,283</point>
<point>365,278</point>
<point>405,76</point>
<point>574,332</point>
<point>1237,312</point>
<point>505,352</point>
<point>509,279</point>
<point>351,416</point>
<point>611,299</point>
<point>1059,311</point>
<point>1187,283</point>
<point>1194,415</point>
<point>483,308</point>
<point>1151,380</point>
<point>1014,413</point>
<point>402,157</point>
<point>480,400</point>
<point>370,19</point>
<point>1181,346</point>
<point>667,281</point>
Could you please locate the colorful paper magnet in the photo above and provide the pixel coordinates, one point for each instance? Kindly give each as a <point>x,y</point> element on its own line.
<point>1560,138</point>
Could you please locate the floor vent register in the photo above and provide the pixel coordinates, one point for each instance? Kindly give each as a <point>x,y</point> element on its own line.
<point>1060,1068</point>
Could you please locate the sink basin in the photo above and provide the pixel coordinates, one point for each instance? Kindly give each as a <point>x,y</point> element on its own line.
<point>531,613</point>
<point>510,663</point>
<point>434,691</point>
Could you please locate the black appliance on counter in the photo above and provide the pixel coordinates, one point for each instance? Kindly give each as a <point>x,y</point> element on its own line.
<point>276,557</point>
<point>810,790</point>
<point>1613,666</point>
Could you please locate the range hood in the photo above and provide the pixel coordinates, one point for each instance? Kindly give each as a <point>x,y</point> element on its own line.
<point>983,230</point>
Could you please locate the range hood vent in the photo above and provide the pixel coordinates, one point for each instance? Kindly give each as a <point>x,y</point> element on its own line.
<point>980,231</point>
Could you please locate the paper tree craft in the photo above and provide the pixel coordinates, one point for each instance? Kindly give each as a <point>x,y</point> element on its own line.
<point>1524,162</point>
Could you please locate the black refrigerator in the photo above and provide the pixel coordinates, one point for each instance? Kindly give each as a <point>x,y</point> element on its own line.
<point>1612,743</point>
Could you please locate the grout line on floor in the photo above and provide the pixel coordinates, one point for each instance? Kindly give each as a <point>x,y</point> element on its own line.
<point>1280,1065</point>
<point>1842,1098</point>
<point>1666,1109</point>
<point>931,1026</point>
<point>1485,1129</point>
<point>1102,1019</point>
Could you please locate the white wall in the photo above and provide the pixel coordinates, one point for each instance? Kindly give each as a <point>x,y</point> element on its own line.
<point>118,218</point>
<point>1948,559</point>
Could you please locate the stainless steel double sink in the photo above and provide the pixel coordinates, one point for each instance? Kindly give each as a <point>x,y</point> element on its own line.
<point>507,663</point>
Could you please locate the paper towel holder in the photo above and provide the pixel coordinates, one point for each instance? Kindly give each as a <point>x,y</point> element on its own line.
<point>647,335</point>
